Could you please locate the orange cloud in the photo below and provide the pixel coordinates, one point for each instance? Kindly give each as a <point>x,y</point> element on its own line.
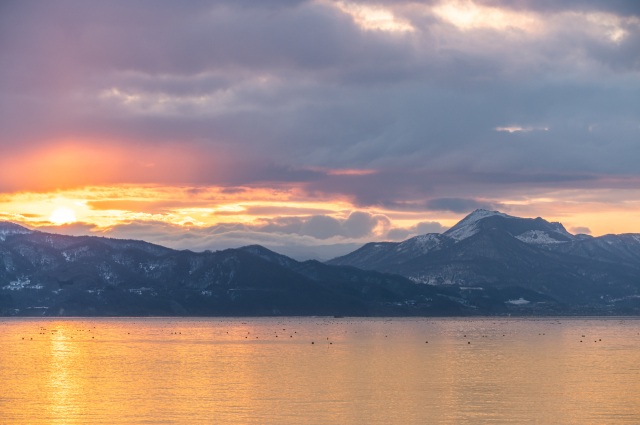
<point>67,165</point>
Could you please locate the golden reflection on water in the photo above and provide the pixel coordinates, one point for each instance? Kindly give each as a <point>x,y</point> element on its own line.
<point>316,371</point>
<point>62,383</point>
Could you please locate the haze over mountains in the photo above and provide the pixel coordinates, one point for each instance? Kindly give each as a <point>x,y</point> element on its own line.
<point>489,263</point>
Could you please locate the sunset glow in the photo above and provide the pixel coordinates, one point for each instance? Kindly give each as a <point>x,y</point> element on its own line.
<point>394,119</point>
<point>62,215</point>
<point>319,211</point>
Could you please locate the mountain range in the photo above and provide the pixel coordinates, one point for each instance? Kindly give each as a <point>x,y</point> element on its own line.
<point>48,274</point>
<point>488,250</point>
<point>489,263</point>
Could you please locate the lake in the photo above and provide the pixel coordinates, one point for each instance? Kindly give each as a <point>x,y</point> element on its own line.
<point>319,371</point>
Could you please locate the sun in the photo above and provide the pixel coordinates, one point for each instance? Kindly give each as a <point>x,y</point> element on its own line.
<point>62,215</point>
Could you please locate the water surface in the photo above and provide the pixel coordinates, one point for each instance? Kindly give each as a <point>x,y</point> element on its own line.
<point>319,371</point>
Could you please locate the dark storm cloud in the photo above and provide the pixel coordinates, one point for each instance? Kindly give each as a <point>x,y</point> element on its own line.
<point>272,91</point>
<point>414,190</point>
<point>167,39</point>
<point>59,60</point>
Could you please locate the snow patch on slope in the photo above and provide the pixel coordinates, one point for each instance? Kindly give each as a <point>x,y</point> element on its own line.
<point>423,243</point>
<point>539,237</point>
<point>519,301</point>
<point>20,284</point>
<point>7,228</point>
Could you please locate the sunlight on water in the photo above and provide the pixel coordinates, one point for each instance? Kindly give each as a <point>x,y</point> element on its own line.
<point>319,370</point>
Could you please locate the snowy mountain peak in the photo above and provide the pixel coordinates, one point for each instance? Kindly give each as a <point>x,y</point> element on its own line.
<point>7,228</point>
<point>482,213</point>
<point>467,226</point>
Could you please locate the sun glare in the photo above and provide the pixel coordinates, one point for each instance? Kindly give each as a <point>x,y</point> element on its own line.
<point>62,215</point>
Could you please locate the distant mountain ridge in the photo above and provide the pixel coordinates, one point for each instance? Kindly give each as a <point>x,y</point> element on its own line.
<point>490,249</point>
<point>489,263</point>
<point>48,274</point>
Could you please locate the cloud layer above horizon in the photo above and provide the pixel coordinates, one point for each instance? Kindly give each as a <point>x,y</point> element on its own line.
<point>330,121</point>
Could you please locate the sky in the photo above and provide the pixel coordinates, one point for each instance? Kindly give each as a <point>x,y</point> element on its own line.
<point>311,127</point>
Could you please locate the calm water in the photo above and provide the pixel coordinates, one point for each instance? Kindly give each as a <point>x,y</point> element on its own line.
<point>357,371</point>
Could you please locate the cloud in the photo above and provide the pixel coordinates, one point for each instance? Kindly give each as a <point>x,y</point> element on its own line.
<point>395,107</point>
<point>357,225</point>
<point>320,227</point>
<point>299,236</point>
<point>71,229</point>
<point>422,228</point>
<point>621,7</point>
<point>360,224</point>
<point>518,129</point>
<point>580,230</point>
<point>319,237</point>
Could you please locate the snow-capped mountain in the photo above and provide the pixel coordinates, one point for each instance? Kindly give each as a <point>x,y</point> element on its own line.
<point>468,226</point>
<point>490,249</point>
<point>535,231</point>
<point>389,255</point>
